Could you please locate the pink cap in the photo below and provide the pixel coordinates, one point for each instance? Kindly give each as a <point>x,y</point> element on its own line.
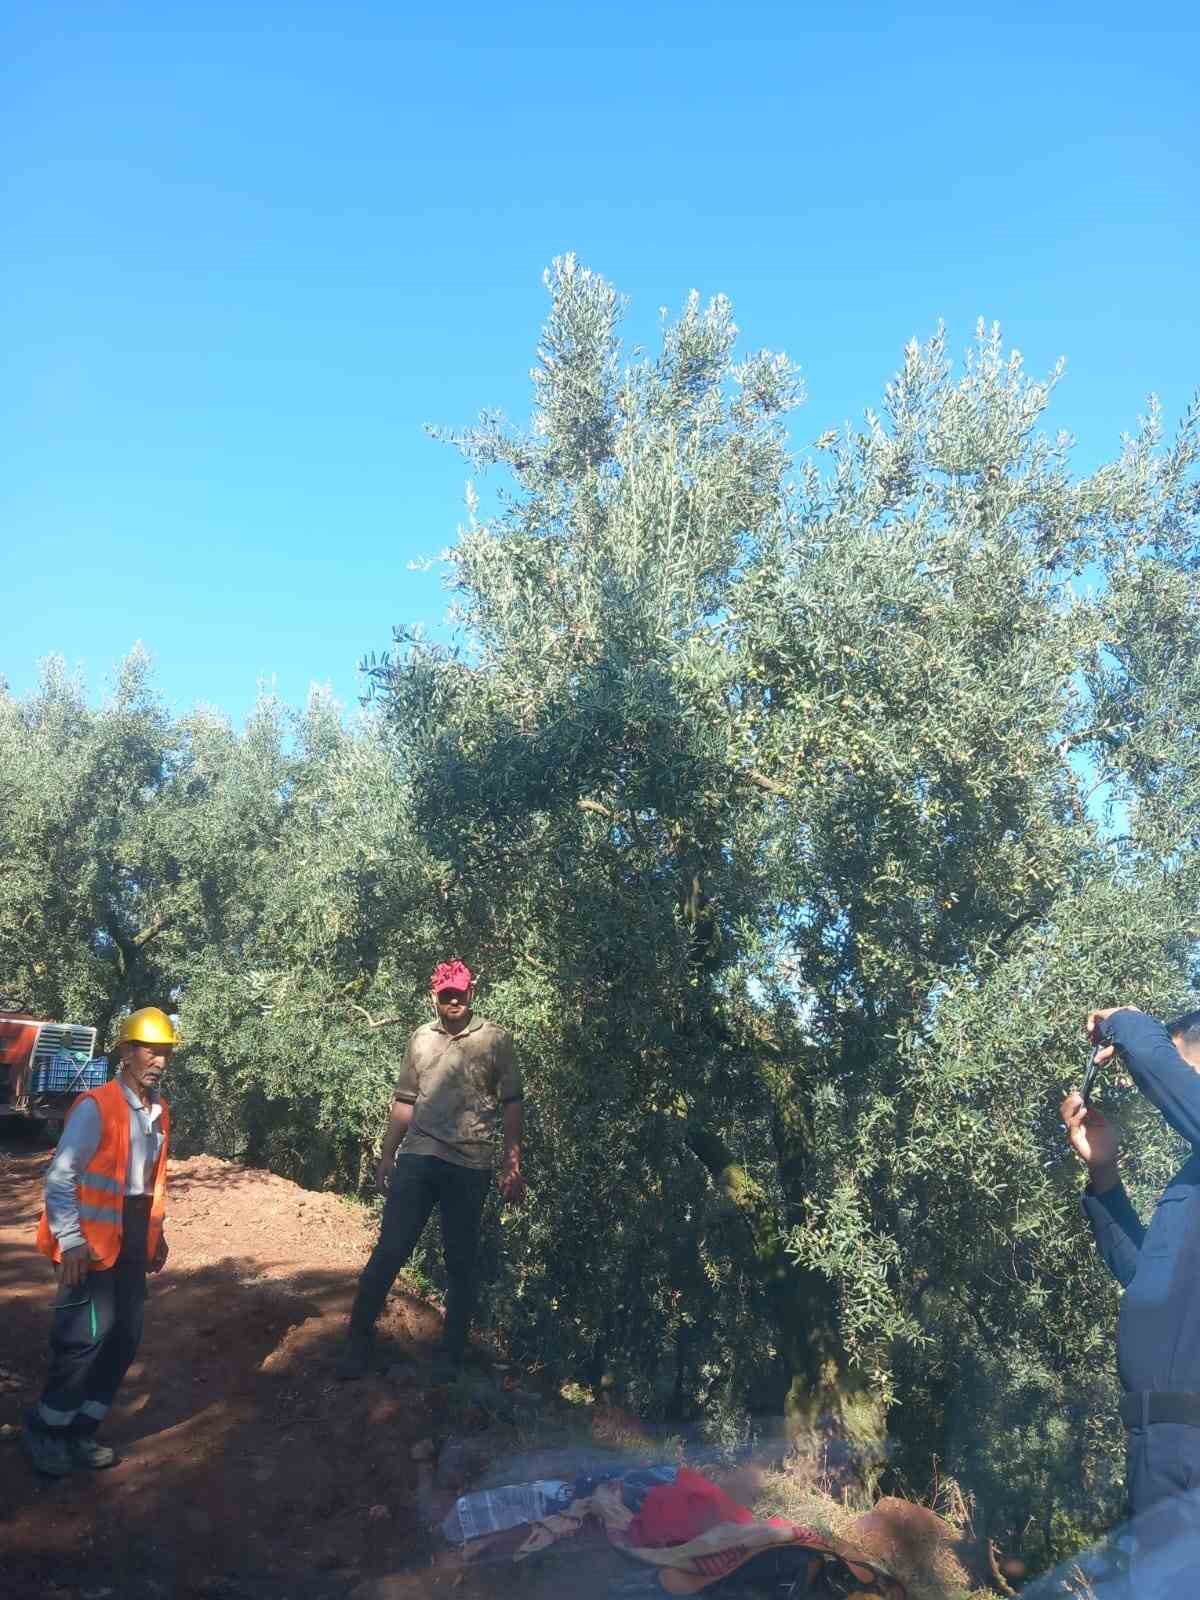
<point>451,975</point>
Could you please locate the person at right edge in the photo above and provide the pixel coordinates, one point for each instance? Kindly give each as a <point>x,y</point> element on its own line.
<point>1158,1329</point>
<point>458,1085</point>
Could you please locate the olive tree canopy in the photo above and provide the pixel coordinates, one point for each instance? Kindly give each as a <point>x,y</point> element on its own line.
<point>797,808</point>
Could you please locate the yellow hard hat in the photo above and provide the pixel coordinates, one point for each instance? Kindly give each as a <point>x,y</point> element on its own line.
<point>148,1026</point>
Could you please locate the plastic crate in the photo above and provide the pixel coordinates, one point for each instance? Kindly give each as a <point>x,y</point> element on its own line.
<point>68,1072</point>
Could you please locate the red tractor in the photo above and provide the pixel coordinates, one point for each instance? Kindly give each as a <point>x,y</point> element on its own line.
<point>44,1065</point>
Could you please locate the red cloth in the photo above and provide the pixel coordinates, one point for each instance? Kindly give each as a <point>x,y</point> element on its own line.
<point>674,1513</point>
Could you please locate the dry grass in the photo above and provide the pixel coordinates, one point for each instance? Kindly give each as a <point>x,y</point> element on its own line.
<point>932,1576</point>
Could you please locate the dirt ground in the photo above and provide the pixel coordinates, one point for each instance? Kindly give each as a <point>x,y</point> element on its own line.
<point>247,1471</point>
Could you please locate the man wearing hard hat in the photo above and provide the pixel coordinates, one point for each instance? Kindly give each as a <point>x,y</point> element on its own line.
<point>103,1227</point>
<point>459,1085</point>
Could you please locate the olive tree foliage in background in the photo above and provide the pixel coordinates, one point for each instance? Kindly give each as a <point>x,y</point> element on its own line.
<point>305,1002</point>
<point>113,845</point>
<point>262,883</point>
<point>797,811</point>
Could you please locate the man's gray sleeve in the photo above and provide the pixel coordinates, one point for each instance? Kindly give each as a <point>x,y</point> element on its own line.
<point>79,1143</point>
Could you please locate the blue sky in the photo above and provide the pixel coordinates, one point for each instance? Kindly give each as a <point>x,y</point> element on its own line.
<point>250,249</point>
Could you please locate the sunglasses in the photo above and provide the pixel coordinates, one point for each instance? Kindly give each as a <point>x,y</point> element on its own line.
<point>449,997</point>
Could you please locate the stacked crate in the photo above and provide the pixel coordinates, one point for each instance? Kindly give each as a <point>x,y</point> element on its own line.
<point>62,1060</point>
<point>68,1072</point>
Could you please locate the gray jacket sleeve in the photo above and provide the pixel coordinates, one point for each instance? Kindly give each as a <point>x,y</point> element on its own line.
<point>1158,1069</point>
<point>1118,1230</point>
<point>79,1143</point>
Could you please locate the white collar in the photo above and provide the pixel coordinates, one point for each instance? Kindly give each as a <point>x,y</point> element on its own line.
<point>153,1110</point>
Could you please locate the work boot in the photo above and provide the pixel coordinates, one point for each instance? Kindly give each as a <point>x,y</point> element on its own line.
<point>356,1356</point>
<point>47,1449</point>
<point>87,1451</point>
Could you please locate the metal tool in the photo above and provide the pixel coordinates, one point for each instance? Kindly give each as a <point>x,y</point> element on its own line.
<point>1089,1077</point>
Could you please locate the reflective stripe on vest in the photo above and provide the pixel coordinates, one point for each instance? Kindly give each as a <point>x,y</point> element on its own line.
<point>97,1180</point>
<point>101,1186</point>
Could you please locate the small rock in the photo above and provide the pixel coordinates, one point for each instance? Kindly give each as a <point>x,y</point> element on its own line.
<point>379,1514</point>
<point>8,1431</point>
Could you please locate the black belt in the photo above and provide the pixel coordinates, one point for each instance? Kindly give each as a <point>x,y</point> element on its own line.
<point>1152,1405</point>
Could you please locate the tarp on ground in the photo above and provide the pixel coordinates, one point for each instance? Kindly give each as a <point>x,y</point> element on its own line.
<point>674,1520</point>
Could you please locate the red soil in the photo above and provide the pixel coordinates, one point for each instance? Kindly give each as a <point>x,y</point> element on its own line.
<point>246,1468</point>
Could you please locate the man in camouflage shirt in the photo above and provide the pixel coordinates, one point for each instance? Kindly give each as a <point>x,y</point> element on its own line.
<point>458,1083</point>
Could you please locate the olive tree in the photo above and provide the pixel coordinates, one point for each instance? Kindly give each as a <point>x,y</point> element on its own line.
<point>981,691</point>
<point>796,812</point>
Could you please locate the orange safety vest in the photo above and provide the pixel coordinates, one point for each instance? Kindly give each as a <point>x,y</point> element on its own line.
<point>101,1186</point>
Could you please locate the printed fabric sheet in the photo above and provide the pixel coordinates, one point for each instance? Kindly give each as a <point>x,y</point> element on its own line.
<point>672,1519</point>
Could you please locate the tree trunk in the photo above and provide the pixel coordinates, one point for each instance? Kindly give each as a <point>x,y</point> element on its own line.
<point>103,1023</point>
<point>830,1407</point>
<point>256,1119</point>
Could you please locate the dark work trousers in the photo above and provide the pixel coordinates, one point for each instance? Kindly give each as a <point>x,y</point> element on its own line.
<point>96,1330</point>
<point>418,1184</point>
<point>1163,1484</point>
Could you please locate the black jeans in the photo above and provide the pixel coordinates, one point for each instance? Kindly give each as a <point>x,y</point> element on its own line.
<point>97,1329</point>
<point>418,1184</point>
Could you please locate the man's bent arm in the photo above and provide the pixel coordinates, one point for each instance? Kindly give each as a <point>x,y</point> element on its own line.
<point>1115,1224</point>
<point>1157,1068</point>
<point>398,1125</point>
